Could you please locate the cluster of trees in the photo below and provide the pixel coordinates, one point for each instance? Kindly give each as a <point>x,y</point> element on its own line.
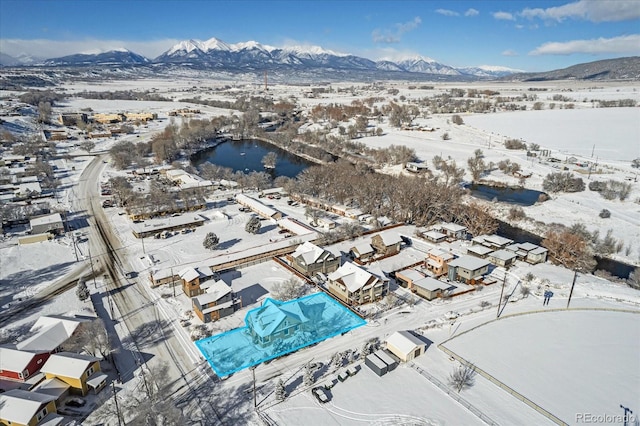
<point>289,289</point>
<point>562,182</point>
<point>421,200</point>
<point>611,189</point>
<point>476,164</point>
<point>514,144</point>
<point>508,167</point>
<point>129,95</point>
<point>35,97</point>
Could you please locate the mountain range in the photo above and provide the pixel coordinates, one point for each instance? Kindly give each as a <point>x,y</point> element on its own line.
<point>253,56</point>
<point>312,62</point>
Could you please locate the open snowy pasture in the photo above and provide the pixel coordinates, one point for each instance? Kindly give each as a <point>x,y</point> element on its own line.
<point>567,362</point>
<point>401,397</point>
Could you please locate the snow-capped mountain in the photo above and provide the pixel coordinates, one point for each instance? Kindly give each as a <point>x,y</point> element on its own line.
<point>251,56</point>
<point>21,59</point>
<point>112,57</point>
<point>490,71</point>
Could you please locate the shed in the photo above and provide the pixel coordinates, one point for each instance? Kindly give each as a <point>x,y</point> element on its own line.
<point>376,365</point>
<point>405,345</point>
<point>49,223</point>
<point>387,358</point>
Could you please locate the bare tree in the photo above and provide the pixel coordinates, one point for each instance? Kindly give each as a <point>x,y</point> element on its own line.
<point>462,377</point>
<point>87,146</point>
<point>569,250</point>
<point>152,407</point>
<point>308,376</point>
<point>269,160</point>
<point>476,165</point>
<point>90,337</point>
<point>289,289</point>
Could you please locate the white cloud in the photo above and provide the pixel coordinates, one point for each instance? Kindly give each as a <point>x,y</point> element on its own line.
<point>595,11</point>
<point>44,48</point>
<point>509,52</point>
<point>447,12</point>
<point>390,54</point>
<point>471,12</point>
<point>394,36</point>
<point>627,45</point>
<point>504,16</point>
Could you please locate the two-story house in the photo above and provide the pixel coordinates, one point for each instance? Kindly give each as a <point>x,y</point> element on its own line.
<point>192,278</point>
<point>468,269</point>
<point>309,259</point>
<point>386,243</point>
<point>437,261</point>
<point>216,302</point>
<point>355,286</point>
<point>81,372</point>
<point>276,320</point>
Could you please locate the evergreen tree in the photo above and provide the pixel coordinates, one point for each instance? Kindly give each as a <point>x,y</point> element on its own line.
<point>253,225</point>
<point>82,291</point>
<point>211,241</point>
<point>281,392</point>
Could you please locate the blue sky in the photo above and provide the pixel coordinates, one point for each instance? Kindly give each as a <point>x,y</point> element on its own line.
<point>527,35</point>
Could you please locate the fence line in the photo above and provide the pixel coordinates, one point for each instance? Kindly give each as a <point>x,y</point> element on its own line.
<point>454,395</point>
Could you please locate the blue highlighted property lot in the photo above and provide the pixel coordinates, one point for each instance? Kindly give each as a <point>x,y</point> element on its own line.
<point>275,329</point>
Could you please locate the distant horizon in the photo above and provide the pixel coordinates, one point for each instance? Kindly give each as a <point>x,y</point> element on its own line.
<point>537,35</point>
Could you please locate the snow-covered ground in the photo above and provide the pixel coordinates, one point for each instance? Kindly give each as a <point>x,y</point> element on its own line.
<point>26,269</point>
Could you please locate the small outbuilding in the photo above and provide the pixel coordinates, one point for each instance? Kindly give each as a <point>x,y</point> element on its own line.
<point>405,345</point>
<point>387,358</point>
<point>50,223</point>
<point>376,365</point>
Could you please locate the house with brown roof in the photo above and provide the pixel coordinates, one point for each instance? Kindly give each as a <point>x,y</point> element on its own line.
<point>355,285</point>
<point>216,302</point>
<point>309,259</point>
<point>362,251</point>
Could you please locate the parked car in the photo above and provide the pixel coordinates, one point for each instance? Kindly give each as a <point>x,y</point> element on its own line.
<point>320,394</point>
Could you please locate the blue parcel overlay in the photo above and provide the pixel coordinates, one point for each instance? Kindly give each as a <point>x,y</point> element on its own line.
<point>275,329</point>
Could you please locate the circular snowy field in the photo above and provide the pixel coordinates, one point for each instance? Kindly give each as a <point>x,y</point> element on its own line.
<point>570,363</point>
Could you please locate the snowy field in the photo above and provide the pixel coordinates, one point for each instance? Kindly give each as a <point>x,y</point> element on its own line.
<point>552,356</point>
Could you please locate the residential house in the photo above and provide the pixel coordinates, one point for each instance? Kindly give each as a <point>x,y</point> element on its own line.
<point>435,236</point>
<point>276,320</point>
<point>405,345</point>
<point>80,372</point>
<point>529,252</point>
<point>50,332</point>
<point>437,261</point>
<point>354,285</point>
<point>453,231</point>
<point>467,269</point>
<point>49,223</point>
<point>362,251</point>
<point>21,407</point>
<point>162,276</point>
<point>386,243</point>
<point>216,302</point>
<point>429,288</point>
<point>480,251</point>
<point>192,278</point>
<point>309,259</point>
<point>19,365</point>
<point>494,242</point>
<point>503,257</point>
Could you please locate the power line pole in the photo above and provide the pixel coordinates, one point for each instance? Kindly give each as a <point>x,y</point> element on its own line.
<point>575,275</point>
<point>115,398</point>
<point>504,281</point>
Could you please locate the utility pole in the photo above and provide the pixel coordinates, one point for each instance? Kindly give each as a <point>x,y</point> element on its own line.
<point>504,281</point>
<point>173,282</point>
<point>255,401</point>
<point>93,273</point>
<point>115,398</point>
<point>143,250</point>
<point>627,411</point>
<point>575,275</point>
<point>75,249</point>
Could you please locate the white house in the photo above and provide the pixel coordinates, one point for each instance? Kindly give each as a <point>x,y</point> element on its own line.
<point>405,345</point>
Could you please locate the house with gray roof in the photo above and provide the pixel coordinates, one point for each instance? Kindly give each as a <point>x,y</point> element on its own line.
<point>21,407</point>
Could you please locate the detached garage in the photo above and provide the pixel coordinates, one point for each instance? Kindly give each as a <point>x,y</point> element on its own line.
<point>405,345</point>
